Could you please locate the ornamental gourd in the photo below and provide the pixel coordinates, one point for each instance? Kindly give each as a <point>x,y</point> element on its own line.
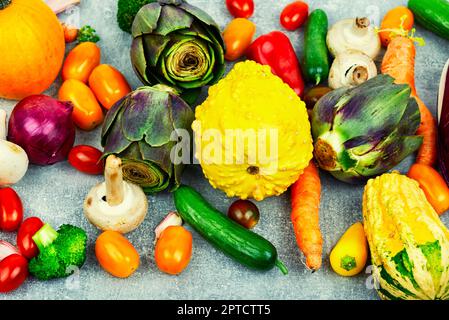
<point>32,48</point>
<point>409,243</point>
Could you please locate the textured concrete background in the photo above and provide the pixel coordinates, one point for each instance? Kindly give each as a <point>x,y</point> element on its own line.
<point>56,193</point>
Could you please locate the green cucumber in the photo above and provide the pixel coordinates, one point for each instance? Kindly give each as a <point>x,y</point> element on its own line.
<point>246,247</point>
<point>432,15</point>
<point>316,58</point>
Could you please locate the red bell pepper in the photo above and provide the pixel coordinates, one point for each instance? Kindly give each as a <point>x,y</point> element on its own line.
<point>276,50</point>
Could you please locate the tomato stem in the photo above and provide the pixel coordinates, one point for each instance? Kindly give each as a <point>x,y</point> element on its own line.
<point>281,267</point>
<point>4,4</point>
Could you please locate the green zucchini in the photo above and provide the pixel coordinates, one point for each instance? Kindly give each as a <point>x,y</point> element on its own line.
<point>432,15</point>
<point>316,58</point>
<point>246,247</point>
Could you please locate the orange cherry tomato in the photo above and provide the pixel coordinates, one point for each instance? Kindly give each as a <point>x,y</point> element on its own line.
<point>116,254</point>
<point>238,36</point>
<point>173,250</point>
<point>433,185</point>
<point>108,85</point>
<point>81,61</point>
<point>393,20</point>
<point>87,112</point>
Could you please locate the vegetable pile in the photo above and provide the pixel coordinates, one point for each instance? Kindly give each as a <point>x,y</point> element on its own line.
<point>268,126</point>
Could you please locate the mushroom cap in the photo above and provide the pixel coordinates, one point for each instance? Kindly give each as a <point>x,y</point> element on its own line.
<point>344,36</point>
<point>122,218</point>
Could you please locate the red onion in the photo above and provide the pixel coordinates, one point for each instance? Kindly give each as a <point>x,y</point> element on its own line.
<point>43,127</point>
<point>7,249</point>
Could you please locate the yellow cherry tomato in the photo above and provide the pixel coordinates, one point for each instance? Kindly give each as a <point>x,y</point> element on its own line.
<point>348,258</point>
<point>173,250</point>
<point>80,62</point>
<point>87,112</point>
<point>116,254</point>
<point>238,36</point>
<point>109,85</point>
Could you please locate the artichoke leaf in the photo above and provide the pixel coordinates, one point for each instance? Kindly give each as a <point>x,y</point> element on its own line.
<point>146,19</point>
<point>153,46</point>
<point>181,114</point>
<point>116,142</point>
<point>198,31</point>
<point>147,118</point>
<point>388,154</point>
<point>138,59</point>
<point>323,112</point>
<point>172,19</point>
<point>206,19</point>
<point>158,155</point>
<point>372,111</point>
<point>146,173</point>
<point>218,45</point>
<point>111,117</point>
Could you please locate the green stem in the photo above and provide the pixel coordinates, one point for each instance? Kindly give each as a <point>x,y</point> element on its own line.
<point>45,236</point>
<point>4,4</point>
<point>281,266</point>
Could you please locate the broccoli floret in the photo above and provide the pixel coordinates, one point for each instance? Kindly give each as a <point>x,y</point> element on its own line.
<point>87,34</point>
<point>127,11</point>
<point>59,252</point>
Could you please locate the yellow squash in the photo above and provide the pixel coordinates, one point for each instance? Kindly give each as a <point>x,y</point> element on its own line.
<point>252,134</point>
<point>348,258</point>
<point>409,244</point>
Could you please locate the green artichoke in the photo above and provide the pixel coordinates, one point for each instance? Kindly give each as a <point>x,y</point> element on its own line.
<point>365,131</point>
<point>177,44</point>
<point>143,129</point>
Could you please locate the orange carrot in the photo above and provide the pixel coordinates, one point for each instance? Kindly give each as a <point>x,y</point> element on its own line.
<point>399,18</point>
<point>305,201</point>
<point>399,62</point>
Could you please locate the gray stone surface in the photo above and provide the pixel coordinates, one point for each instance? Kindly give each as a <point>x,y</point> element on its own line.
<point>56,193</point>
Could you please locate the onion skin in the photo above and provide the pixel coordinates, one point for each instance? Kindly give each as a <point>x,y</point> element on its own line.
<point>43,127</point>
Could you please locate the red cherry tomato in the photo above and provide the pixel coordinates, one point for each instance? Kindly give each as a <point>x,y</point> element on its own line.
<point>13,272</point>
<point>25,241</point>
<point>240,8</point>
<point>11,210</point>
<point>86,159</point>
<point>294,15</point>
<point>245,213</point>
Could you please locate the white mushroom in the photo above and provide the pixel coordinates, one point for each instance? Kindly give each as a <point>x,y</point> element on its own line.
<point>115,204</point>
<point>353,34</point>
<point>13,159</point>
<point>351,69</point>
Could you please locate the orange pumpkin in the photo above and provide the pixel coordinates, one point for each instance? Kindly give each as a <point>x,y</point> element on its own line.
<point>32,48</point>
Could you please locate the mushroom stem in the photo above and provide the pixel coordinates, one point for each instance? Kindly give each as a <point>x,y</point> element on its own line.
<point>361,26</point>
<point>2,124</point>
<point>358,74</point>
<point>114,181</point>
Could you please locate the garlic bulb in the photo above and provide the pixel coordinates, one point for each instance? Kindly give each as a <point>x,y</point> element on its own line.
<point>353,34</point>
<point>351,69</point>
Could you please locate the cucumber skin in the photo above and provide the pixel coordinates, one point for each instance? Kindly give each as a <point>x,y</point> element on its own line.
<point>246,247</point>
<point>432,15</point>
<point>316,58</point>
